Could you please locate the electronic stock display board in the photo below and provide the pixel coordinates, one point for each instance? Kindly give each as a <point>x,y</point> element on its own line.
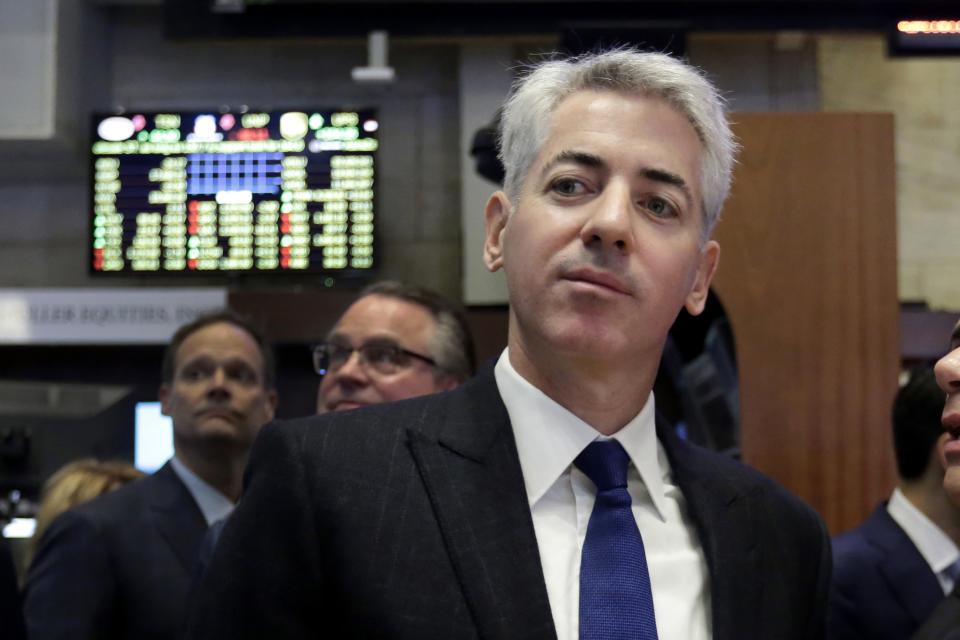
<point>253,192</point>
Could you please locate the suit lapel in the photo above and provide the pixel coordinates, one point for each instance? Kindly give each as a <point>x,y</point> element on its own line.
<point>907,574</point>
<point>176,515</point>
<point>727,532</point>
<point>472,475</point>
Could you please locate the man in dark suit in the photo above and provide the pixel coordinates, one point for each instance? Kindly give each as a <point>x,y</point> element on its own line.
<point>409,342</point>
<point>890,572</point>
<point>540,499</point>
<point>944,622</point>
<point>119,566</point>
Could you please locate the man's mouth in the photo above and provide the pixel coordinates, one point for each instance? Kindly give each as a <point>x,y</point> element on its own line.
<point>951,424</point>
<point>225,414</point>
<point>346,405</point>
<point>602,279</point>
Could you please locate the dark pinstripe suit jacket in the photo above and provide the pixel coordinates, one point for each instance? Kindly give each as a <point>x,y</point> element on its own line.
<point>410,520</point>
<point>944,622</point>
<point>118,566</point>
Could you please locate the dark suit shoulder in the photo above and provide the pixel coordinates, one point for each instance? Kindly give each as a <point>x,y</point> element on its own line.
<point>119,504</point>
<point>738,480</point>
<point>867,543</point>
<point>471,413</point>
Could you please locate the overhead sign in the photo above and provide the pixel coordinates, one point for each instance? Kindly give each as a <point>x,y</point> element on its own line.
<point>101,316</point>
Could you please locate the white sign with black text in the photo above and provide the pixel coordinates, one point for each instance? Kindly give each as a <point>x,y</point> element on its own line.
<point>101,316</point>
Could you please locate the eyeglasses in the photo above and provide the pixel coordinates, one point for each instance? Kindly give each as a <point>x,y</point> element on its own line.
<point>383,357</point>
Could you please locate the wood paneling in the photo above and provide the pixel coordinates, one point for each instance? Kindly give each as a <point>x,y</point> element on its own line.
<point>808,277</point>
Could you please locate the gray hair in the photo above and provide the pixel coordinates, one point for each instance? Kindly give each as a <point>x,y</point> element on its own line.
<point>451,346</point>
<point>535,95</point>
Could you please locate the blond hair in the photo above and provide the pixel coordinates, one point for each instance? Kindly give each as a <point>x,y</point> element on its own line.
<point>75,483</point>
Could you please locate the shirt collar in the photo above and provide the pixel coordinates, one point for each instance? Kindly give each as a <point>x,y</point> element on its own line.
<point>933,544</point>
<point>549,437</point>
<point>213,504</point>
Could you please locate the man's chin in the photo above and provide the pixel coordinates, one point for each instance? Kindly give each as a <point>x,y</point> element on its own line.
<point>951,483</point>
<point>346,405</point>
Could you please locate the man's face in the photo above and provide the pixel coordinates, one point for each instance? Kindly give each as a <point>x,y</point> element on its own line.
<point>217,396</point>
<point>948,377</point>
<point>384,320</point>
<point>604,248</point>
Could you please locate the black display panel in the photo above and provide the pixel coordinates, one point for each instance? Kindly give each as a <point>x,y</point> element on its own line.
<point>254,192</point>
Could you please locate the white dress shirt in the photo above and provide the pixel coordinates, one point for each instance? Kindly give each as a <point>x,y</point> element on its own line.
<point>933,544</point>
<point>561,499</point>
<point>213,504</point>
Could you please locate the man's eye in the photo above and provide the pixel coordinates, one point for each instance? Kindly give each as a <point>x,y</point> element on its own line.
<point>385,354</point>
<point>568,187</point>
<point>659,207</point>
<point>243,375</point>
<point>338,354</point>
<point>193,374</point>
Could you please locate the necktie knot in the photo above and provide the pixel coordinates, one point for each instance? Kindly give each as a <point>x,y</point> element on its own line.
<point>605,462</point>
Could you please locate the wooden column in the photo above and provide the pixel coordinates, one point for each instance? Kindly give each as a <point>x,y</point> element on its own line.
<point>808,275</point>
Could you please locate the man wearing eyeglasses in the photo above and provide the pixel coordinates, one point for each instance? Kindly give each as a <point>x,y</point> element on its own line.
<point>541,499</point>
<point>396,341</point>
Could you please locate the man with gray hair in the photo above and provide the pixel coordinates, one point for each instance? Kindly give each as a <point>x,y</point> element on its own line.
<point>396,341</point>
<point>542,499</point>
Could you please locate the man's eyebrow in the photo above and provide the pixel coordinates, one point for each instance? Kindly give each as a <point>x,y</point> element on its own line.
<point>668,177</point>
<point>377,339</point>
<point>576,157</point>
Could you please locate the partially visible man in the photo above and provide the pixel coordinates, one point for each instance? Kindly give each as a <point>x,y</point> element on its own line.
<point>944,623</point>
<point>120,565</point>
<point>540,499</point>
<point>892,571</point>
<point>396,341</point>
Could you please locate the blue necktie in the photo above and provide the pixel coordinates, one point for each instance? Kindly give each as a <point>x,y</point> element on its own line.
<point>615,598</point>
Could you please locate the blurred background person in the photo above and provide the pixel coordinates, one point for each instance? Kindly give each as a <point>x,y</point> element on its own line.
<point>396,341</point>
<point>891,571</point>
<point>75,483</point>
<point>119,566</point>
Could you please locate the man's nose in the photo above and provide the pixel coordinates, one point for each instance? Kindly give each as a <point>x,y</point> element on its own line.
<point>218,382</point>
<point>609,225</point>
<point>352,370</point>
<point>948,371</point>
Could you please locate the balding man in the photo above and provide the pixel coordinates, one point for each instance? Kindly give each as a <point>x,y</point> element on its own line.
<point>396,341</point>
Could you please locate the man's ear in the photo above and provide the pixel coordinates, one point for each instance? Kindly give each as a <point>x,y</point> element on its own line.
<point>496,214</point>
<point>709,259</point>
<point>163,394</point>
<point>272,399</point>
